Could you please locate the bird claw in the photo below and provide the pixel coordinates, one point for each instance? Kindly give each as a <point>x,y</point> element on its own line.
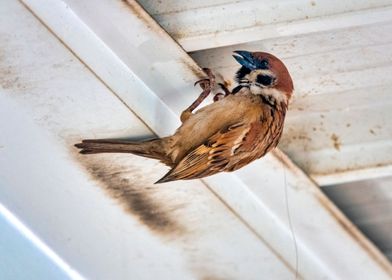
<point>225,89</point>
<point>219,96</point>
<point>201,81</point>
<point>207,84</point>
<point>204,83</point>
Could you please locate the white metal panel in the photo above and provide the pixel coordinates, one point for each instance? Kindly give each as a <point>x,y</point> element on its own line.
<point>368,204</point>
<point>198,25</point>
<point>17,251</point>
<point>105,31</point>
<point>103,214</point>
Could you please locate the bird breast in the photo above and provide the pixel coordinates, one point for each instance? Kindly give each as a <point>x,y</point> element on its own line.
<point>204,123</point>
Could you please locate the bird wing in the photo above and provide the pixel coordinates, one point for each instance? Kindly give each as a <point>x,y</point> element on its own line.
<point>215,154</point>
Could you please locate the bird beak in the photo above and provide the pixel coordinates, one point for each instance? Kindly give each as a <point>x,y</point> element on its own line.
<point>246,59</point>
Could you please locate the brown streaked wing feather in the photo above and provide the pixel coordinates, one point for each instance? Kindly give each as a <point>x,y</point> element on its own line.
<point>210,157</point>
<point>262,137</point>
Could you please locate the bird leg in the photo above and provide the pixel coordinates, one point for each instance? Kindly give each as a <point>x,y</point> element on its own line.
<point>207,85</point>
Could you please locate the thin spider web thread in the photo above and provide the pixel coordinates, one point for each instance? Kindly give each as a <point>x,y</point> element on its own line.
<point>290,223</point>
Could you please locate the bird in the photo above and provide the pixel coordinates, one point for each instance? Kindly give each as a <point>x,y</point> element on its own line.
<point>240,126</point>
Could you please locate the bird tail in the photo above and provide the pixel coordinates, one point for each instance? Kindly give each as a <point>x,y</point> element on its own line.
<point>150,148</point>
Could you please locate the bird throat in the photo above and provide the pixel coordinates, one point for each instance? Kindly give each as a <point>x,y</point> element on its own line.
<point>271,97</point>
<point>268,99</point>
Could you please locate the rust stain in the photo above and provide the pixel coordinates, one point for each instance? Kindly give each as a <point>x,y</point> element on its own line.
<point>133,190</point>
<point>304,137</point>
<point>191,65</point>
<point>139,12</point>
<point>353,168</point>
<point>9,83</point>
<point>8,79</point>
<point>336,141</point>
<point>145,17</point>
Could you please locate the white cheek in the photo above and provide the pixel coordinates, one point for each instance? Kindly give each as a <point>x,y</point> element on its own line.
<point>256,89</point>
<point>276,94</point>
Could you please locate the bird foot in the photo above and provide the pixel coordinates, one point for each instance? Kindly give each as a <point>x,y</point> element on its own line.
<point>219,96</point>
<point>207,83</point>
<point>207,86</point>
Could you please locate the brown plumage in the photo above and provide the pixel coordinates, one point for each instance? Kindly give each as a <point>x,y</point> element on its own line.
<point>238,128</point>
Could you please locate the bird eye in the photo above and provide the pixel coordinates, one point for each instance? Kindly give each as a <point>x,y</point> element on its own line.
<point>265,80</point>
<point>263,64</point>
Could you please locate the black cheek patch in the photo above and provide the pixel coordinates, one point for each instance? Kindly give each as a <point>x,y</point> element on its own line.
<point>265,80</point>
<point>242,73</point>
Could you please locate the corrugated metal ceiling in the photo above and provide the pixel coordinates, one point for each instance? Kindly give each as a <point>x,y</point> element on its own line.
<point>67,63</point>
<point>368,205</point>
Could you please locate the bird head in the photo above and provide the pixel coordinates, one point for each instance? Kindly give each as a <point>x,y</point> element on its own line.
<point>264,74</point>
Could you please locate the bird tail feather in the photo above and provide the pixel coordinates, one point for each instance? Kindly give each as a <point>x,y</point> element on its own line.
<point>150,148</point>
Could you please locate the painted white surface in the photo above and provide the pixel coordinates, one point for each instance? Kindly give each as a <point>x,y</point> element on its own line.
<point>368,204</point>
<point>59,104</point>
<point>20,258</point>
<point>199,25</point>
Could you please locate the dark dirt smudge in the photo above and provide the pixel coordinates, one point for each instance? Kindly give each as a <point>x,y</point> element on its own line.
<point>133,188</point>
<point>336,142</point>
